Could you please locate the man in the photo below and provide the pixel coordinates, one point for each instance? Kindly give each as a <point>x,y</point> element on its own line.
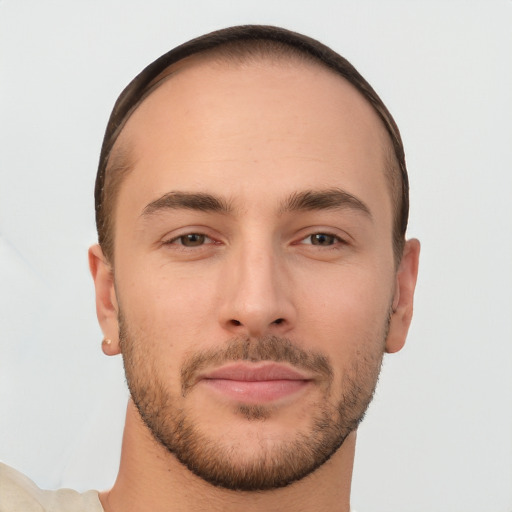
<point>251,204</point>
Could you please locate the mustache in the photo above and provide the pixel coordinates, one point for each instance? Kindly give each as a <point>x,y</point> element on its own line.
<point>267,348</point>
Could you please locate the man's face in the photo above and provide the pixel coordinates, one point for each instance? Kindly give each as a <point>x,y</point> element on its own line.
<point>254,271</point>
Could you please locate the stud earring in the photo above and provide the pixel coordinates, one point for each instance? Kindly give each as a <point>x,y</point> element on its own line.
<point>108,347</point>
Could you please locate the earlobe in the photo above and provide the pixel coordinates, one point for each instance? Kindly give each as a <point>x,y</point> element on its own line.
<point>106,301</point>
<point>402,307</point>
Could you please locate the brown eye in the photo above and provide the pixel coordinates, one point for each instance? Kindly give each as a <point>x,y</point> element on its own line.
<point>323,239</point>
<point>192,239</point>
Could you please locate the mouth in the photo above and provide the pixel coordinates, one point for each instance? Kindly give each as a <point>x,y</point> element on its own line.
<point>255,383</point>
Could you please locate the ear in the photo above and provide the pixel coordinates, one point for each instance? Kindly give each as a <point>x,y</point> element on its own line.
<point>401,315</point>
<point>106,301</point>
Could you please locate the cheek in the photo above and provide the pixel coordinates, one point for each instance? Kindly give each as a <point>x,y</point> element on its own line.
<point>348,310</point>
<point>352,328</point>
<point>163,321</point>
<point>166,305</point>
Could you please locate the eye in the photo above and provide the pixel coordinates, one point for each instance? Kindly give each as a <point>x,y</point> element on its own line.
<point>191,240</point>
<point>322,239</point>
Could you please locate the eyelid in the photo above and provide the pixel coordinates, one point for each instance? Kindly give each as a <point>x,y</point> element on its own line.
<point>173,238</point>
<point>178,237</point>
<point>342,238</point>
<point>336,238</point>
<point>337,241</point>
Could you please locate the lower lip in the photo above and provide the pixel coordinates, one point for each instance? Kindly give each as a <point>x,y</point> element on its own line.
<point>256,391</point>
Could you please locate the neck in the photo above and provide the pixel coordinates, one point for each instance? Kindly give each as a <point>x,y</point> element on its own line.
<point>150,478</point>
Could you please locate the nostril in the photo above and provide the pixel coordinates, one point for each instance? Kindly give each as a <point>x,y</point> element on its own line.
<point>278,321</point>
<point>235,322</point>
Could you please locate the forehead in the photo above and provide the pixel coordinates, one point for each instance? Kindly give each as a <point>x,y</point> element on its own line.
<point>279,116</point>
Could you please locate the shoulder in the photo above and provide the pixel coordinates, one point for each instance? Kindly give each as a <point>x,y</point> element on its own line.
<point>18,493</point>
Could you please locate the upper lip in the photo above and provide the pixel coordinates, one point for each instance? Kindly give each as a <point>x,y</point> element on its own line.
<point>254,372</point>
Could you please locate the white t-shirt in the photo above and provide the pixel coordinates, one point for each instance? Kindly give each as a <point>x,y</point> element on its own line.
<point>19,494</point>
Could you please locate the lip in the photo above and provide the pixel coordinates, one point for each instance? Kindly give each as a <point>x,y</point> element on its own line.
<point>255,372</point>
<point>255,382</point>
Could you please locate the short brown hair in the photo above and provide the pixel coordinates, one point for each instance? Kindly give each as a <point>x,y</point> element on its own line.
<point>234,43</point>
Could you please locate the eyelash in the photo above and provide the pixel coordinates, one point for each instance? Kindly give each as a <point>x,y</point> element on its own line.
<point>178,240</point>
<point>335,239</point>
<point>206,240</point>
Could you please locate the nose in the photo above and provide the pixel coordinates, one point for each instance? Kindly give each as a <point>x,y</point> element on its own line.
<point>257,293</point>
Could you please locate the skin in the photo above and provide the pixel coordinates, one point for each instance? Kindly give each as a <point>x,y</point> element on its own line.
<point>253,135</point>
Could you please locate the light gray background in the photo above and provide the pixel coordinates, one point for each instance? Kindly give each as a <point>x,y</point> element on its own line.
<point>438,436</point>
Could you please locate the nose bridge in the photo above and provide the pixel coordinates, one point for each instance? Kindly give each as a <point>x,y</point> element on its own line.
<point>256,300</point>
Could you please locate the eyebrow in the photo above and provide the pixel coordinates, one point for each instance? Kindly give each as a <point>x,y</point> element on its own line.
<point>330,199</point>
<point>307,200</point>
<point>188,200</point>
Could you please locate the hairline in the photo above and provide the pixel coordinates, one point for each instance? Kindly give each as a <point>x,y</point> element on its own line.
<point>119,160</point>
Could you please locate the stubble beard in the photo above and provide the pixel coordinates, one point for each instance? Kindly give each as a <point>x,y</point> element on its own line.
<point>277,464</point>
